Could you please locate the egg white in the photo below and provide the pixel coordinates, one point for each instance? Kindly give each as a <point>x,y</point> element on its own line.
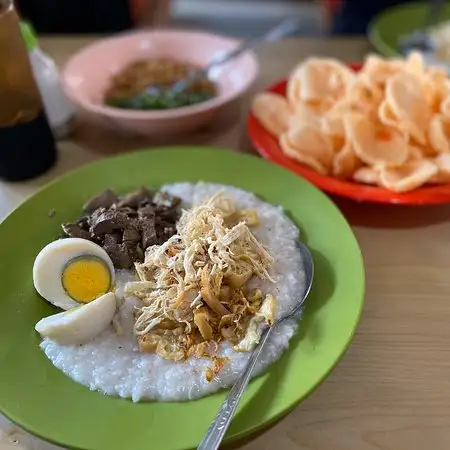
<point>51,261</point>
<point>80,324</point>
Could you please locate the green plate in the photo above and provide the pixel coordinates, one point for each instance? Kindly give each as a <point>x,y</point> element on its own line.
<point>42,400</point>
<point>387,27</point>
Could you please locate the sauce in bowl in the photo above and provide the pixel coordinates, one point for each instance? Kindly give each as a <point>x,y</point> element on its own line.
<point>145,85</point>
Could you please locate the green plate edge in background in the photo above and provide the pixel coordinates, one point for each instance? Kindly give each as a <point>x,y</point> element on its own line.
<point>38,397</point>
<point>388,26</point>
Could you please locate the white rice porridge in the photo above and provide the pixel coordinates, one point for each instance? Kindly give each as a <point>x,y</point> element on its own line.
<point>112,364</point>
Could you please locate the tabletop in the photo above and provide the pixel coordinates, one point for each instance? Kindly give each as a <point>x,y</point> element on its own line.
<point>391,391</point>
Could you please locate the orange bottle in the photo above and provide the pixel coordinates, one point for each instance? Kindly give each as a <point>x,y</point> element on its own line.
<point>27,146</point>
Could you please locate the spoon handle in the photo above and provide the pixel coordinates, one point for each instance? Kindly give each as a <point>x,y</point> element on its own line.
<point>218,428</point>
<point>282,29</point>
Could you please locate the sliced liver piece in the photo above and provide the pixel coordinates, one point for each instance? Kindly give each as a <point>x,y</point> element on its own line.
<point>104,200</point>
<point>74,230</point>
<point>147,211</point>
<point>108,221</point>
<point>118,254</point>
<point>131,235</point>
<point>148,232</point>
<point>133,199</point>
<point>165,200</point>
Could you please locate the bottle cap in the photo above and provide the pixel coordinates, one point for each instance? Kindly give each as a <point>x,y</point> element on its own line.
<point>28,35</point>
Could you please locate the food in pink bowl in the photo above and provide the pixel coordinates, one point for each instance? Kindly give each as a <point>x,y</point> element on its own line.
<point>109,80</point>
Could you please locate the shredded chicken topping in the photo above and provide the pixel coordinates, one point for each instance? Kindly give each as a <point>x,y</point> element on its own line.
<point>193,288</point>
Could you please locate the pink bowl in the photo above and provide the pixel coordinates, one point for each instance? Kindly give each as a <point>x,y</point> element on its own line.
<point>87,75</point>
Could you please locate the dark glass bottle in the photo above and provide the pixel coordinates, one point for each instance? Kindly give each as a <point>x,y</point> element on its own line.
<point>27,146</point>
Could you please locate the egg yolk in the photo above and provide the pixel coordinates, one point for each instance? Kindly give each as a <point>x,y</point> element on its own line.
<point>86,278</point>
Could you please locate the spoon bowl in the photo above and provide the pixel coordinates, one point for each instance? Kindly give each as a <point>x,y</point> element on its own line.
<point>308,265</point>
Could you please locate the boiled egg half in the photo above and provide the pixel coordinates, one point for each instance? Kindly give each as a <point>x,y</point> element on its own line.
<point>80,324</point>
<point>72,272</point>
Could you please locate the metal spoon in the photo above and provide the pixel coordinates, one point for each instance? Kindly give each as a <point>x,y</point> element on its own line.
<point>218,428</point>
<point>169,91</point>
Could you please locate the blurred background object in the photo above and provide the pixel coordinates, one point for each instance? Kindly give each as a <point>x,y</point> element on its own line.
<point>240,18</point>
<point>93,16</point>
<point>250,17</point>
<point>243,18</point>
<point>349,17</point>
